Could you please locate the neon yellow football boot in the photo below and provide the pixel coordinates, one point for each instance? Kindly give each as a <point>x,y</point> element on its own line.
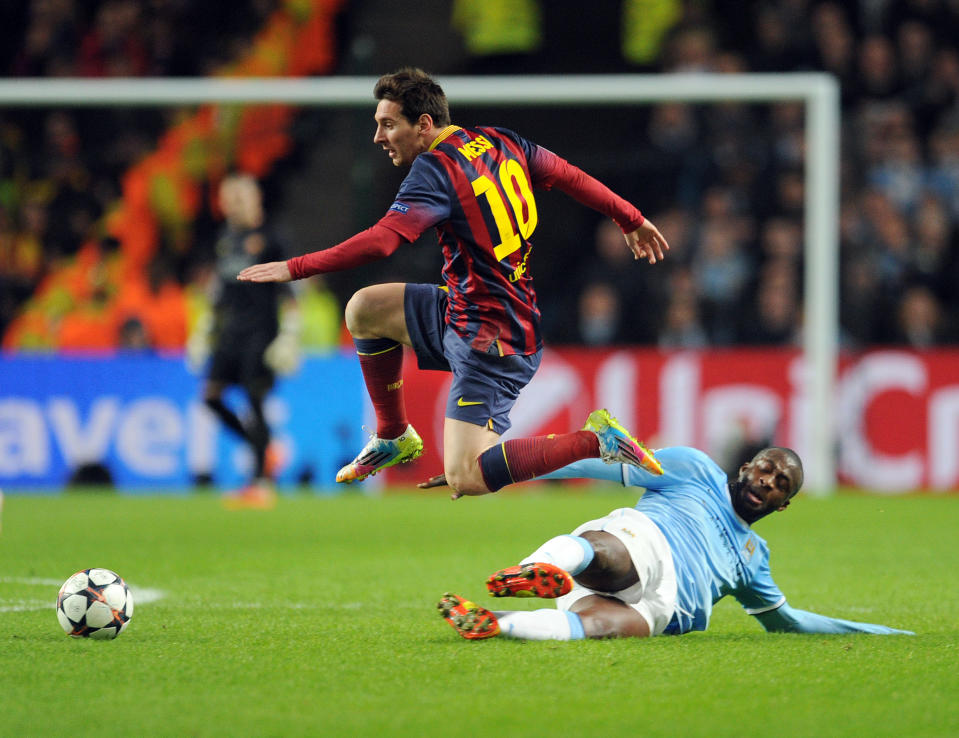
<point>382,453</point>
<point>617,446</point>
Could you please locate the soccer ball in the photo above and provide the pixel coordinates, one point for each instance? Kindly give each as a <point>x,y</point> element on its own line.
<point>94,603</point>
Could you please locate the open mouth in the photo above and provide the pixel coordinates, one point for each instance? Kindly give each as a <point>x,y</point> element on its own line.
<point>753,498</point>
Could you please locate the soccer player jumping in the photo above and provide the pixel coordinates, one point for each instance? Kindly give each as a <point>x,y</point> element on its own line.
<point>475,186</point>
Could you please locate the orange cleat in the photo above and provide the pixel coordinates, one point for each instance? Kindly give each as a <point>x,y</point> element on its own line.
<point>530,580</point>
<point>468,619</point>
<point>259,495</point>
<point>274,460</point>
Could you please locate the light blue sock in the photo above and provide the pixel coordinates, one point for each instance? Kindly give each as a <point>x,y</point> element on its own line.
<point>541,625</point>
<point>570,553</point>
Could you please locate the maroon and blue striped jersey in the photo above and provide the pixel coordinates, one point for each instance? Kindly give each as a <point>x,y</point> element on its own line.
<point>475,186</point>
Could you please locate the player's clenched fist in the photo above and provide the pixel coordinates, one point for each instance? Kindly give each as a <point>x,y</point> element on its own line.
<point>272,271</point>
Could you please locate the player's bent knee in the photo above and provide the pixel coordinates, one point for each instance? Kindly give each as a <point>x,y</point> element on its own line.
<point>377,311</point>
<point>611,569</point>
<point>605,617</point>
<point>358,310</point>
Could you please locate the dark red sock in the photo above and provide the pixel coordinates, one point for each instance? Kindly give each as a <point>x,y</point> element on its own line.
<point>526,458</point>
<point>381,360</point>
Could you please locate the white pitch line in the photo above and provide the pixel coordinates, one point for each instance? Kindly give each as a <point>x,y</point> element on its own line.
<point>32,580</point>
<point>141,596</point>
<point>24,605</point>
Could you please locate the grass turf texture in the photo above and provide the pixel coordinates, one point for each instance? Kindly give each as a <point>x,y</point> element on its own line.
<point>318,618</point>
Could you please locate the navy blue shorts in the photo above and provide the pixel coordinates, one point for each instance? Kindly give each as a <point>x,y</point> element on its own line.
<point>485,386</point>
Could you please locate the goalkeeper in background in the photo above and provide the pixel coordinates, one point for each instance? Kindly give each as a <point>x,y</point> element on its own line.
<point>251,333</point>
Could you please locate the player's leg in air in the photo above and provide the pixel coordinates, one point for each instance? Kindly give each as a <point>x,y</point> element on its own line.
<point>375,317</point>
<point>477,462</point>
<point>382,319</point>
<point>484,389</point>
<point>594,576</point>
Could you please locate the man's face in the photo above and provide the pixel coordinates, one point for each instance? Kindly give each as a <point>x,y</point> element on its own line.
<point>765,485</point>
<point>241,202</point>
<point>400,138</point>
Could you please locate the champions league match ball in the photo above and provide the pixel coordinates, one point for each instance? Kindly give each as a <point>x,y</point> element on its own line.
<point>94,603</point>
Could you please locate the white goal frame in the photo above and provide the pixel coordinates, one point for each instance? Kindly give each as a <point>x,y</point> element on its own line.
<point>819,92</point>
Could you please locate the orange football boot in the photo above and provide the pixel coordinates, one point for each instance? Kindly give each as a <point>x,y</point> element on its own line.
<point>468,619</point>
<point>258,495</point>
<point>530,580</point>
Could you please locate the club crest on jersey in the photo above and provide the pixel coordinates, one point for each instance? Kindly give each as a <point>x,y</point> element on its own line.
<point>475,147</point>
<point>750,547</point>
<point>399,207</point>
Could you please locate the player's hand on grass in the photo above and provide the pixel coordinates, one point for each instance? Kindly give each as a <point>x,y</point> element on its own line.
<point>646,242</point>
<point>271,271</point>
<point>456,494</point>
<point>438,481</point>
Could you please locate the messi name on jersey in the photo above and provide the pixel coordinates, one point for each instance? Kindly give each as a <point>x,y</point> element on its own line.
<point>475,147</point>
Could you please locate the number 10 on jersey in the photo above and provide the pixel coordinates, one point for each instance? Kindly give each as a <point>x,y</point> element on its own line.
<point>519,193</point>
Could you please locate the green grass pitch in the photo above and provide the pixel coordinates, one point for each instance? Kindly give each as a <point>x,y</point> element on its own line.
<point>318,619</point>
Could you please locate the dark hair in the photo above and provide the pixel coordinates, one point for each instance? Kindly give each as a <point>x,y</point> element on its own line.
<point>416,93</point>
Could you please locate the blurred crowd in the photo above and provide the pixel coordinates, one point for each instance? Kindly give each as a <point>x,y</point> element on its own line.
<point>723,182</point>
<point>61,169</point>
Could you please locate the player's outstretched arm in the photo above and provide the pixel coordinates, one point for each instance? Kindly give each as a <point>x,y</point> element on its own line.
<point>367,246</point>
<point>588,469</point>
<point>786,619</point>
<point>272,271</point>
<point>646,242</point>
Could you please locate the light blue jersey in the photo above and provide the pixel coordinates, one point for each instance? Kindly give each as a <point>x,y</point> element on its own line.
<point>715,552</point>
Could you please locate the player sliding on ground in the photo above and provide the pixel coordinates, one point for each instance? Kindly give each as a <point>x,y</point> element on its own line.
<point>659,567</point>
<point>475,186</point>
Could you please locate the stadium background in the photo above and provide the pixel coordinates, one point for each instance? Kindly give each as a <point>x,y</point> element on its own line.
<point>107,221</point>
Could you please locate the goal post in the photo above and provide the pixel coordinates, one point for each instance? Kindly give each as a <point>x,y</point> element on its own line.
<point>818,91</point>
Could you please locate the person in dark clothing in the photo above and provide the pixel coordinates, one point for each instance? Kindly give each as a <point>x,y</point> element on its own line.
<point>245,336</point>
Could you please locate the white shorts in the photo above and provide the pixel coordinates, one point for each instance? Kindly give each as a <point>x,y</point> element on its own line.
<point>654,596</point>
